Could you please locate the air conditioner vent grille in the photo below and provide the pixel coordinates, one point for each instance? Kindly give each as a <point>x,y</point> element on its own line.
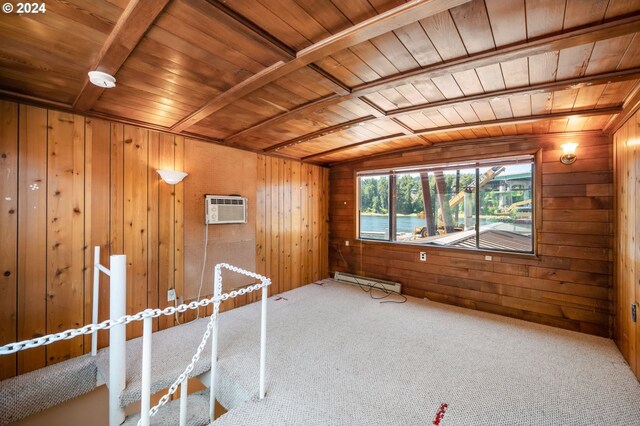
<point>220,209</point>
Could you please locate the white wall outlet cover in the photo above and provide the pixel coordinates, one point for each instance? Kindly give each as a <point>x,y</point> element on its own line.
<point>488,258</point>
<point>171,295</point>
<point>423,256</point>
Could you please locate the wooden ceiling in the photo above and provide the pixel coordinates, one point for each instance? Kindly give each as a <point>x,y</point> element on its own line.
<point>332,80</point>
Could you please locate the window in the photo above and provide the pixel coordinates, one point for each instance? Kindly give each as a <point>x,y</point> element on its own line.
<point>484,205</point>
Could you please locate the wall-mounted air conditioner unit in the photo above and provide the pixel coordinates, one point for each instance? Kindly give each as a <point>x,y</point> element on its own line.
<point>225,209</point>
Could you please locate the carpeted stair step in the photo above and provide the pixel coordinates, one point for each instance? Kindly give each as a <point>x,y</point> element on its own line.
<point>35,391</point>
<point>169,415</point>
<point>172,351</point>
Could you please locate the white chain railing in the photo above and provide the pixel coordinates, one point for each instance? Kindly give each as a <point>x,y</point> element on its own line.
<point>185,374</point>
<point>126,319</point>
<point>146,316</point>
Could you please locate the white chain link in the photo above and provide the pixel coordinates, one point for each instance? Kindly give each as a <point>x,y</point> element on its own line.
<point>126,319</point>
<point>154,313</point>
<point>218,284</point>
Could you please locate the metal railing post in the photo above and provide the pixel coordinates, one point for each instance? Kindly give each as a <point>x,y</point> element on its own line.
<point>184,394</point>
<point>117,338</point>
<point>96,295</point>
<point>145,401</point>
<point>214,342</point>
<point>263,340</point>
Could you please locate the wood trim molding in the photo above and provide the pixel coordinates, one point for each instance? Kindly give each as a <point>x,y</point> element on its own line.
<point>574,83</point>
<point>631,106</point>
<point>492,123</point>
<point>615,28</point>
<point>134,22</point>
<point>373,27</point>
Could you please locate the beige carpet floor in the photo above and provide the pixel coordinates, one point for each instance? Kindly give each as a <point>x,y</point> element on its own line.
<point>337,357</point>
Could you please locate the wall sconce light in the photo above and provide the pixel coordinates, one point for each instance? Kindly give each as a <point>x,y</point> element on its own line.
<point>568,153</point>
<point>171,177</point>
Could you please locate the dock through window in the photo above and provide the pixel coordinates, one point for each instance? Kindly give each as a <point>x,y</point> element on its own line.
<point>486,205</point>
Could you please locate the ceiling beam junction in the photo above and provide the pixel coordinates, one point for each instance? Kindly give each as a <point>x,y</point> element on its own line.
<point>383,23</point>
<point>574,83</point>
<point>611,29</point>
<point>466,126</point>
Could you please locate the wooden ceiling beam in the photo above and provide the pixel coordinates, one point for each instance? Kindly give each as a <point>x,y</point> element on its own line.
<point>274,43</point>
<point>574,83</point>
<point>611,29</point>
<point>385,22</point>
<point>484,140</point>
<point>468,126</point>
<point>331,82</point>
<point>134,22</point>
<point>261,34</point>
<point>317,134</point>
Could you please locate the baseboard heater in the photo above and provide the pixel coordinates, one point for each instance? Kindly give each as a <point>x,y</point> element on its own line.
<point>370,282</point>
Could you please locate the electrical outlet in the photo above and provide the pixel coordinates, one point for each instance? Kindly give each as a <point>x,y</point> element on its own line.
<point>488,258</point>
<point>171,295</point>
<point>423,256</point>
<point>346,243</point>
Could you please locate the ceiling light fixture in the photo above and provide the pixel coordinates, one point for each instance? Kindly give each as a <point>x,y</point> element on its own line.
<point>102,79</point>
<point>171,177</point>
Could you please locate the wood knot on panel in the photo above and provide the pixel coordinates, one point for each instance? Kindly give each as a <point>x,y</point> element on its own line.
<point>76,210</point>
<point>3,155</point>
<point>128,140</point>
<point>7,273</point>
<point>12,211</point>
<point>57,193</point>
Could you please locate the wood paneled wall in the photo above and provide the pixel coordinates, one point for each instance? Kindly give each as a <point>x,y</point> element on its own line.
<point>68,183</point>
<point>567,284</point>
<point>627,247</point>
<point>291,224</point>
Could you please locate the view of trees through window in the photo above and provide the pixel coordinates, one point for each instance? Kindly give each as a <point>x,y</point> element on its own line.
<point>441,207</point>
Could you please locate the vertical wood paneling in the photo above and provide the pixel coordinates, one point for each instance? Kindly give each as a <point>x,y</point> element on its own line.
<point>135,216</point>
<point>96,218</point>
<point>8,231</point>
<point>116,231</point>
<point>261,215</point>
<point>153,242</point>
<point>178,226</point>
<point>294,209</point>
<point>76,183</point>
<point>296,230</point>
<point>304,223</point>
<point>65,232</point>
<point>285,283</point>
<point>166,218</point>
<point>268,235</point>
<point>32,235</point>
<point>627,258</point>
<point>274,231</point>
